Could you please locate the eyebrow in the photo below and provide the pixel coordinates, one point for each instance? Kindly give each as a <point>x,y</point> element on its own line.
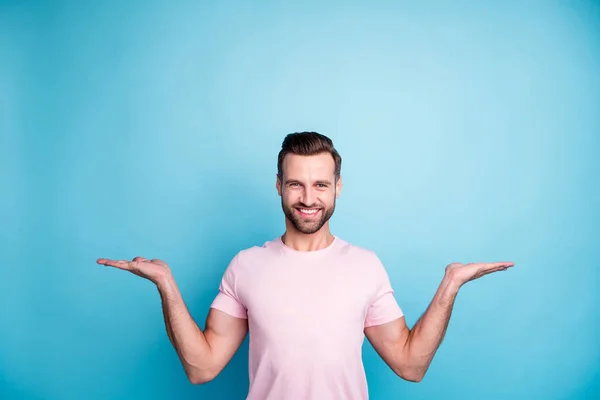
<point>321,182</point>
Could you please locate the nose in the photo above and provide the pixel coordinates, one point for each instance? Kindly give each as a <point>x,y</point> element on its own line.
<point>308,196</point>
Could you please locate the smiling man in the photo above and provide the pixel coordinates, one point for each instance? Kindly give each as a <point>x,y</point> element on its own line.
<point>307,298</point>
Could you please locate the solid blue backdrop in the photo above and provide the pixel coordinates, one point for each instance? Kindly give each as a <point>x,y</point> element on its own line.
<point>468,131</point>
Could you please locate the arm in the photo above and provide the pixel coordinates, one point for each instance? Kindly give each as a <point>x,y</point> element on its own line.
<point>202,354</point>
<point>410,352</point>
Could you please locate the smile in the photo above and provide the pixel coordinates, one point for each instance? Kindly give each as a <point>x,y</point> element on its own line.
<point>308,212</point>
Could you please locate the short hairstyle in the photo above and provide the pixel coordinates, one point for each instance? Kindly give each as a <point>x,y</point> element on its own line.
<point>308,144</point>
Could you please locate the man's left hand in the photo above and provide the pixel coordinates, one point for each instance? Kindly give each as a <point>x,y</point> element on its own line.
<point>460,273</point>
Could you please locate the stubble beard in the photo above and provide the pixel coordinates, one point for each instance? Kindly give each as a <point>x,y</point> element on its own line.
<point>303,225</point>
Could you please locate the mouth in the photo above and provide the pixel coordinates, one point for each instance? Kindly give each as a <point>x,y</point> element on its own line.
<point>309,212</point>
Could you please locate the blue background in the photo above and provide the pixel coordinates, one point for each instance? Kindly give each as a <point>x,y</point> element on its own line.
<point>469,132</point>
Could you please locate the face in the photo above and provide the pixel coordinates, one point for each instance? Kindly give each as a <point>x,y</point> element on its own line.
<point>308,191</point>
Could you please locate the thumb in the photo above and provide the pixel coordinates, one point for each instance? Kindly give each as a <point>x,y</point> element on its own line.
<point>157,261</point>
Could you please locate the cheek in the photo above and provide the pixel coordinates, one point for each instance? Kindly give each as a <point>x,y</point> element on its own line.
<point>287,197</point>
<point>327,199</point>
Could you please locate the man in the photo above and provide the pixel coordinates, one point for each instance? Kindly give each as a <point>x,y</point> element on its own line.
<point>308,298</point>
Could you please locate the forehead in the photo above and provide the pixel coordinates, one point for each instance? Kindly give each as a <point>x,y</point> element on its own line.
<point>319,166</point>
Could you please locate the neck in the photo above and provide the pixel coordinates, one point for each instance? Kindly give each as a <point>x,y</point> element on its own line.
<point>307,242</point>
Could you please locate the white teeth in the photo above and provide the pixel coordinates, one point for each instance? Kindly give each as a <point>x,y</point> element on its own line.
<point>309,211</point>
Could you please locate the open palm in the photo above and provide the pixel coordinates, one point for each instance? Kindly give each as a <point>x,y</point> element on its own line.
<point>463,273</point>
<point>153,270</point>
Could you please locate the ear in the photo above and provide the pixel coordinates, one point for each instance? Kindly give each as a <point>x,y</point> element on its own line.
<point>338,187</point>
<point>278,184</point>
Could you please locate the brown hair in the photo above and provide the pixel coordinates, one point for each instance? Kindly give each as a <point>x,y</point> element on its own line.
<point>308,144</point>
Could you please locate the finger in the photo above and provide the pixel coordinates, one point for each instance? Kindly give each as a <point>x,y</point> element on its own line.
<point>504,264</point>
<point>140,259</point>
<point>157,261</point>
<point>121,264</point>
<point>496,265</point>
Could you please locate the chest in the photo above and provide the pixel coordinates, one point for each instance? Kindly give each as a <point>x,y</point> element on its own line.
<point>287,301</point>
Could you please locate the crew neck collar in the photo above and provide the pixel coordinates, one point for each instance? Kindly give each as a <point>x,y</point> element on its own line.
<point>306,253</point>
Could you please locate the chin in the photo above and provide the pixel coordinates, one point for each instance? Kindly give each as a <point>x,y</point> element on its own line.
<point>309,229</point>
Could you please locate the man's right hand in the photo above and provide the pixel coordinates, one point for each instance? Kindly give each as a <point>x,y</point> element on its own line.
<point>203,354</point>
<point>154,270</point>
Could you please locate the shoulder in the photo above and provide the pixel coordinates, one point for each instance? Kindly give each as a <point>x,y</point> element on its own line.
<point>359,253</point>
<point>254,255</point>
<point>369,265</point>
<point>364,260</point>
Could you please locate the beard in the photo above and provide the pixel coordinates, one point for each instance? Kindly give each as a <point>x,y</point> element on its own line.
<point>304,225</point>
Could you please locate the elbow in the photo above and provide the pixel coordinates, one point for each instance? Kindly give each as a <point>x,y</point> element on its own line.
<point>415,378</point>
<point>197,380</point>
<point>414,375</point>
<point>200,377</point>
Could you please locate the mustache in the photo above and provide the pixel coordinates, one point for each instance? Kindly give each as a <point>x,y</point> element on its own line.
<point>302,205</point>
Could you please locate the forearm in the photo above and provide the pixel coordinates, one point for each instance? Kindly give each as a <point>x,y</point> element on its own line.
<point>185,335</point>
<point>428,333</point>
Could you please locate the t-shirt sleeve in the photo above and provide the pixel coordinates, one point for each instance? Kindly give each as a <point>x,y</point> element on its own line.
<point>227,300</point>
<point>384,307</point>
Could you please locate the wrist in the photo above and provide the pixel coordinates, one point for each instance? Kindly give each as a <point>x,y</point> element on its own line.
<point>451,282</point>
<point>165,282</point>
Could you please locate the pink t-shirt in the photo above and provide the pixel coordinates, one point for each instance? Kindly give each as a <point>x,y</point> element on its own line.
<point>306,312</point>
